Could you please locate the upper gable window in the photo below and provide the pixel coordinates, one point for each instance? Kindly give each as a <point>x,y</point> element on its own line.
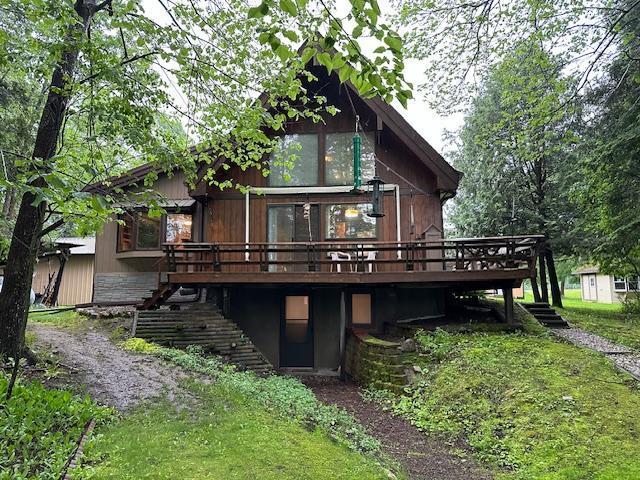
<point>295,162</point>
<point>338,158</point>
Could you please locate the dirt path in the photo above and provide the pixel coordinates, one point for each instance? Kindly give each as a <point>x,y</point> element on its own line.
<point>112,376</point>
<point>423,457</point>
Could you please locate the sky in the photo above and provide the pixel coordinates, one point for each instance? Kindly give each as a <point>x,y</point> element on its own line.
<point>418,113</point>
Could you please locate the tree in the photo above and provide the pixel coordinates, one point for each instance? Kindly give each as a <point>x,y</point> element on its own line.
<point>610,168</point>
<point>515,149</point>
<point>228,72</point>
<point>461,41</point>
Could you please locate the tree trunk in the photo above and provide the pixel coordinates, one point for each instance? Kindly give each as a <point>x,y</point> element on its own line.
<point>556,296</point>
<point>543,279</point>
<point>14,297</point>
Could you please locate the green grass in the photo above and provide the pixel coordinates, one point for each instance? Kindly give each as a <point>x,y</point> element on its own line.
<point>607,320</point>
<point>226,436</point>
<point>39,429</point>
<point>67,318</point>
<point>530,406</point>
<point>238,426</point>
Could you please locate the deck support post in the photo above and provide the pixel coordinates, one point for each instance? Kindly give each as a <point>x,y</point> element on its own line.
<point>507,293</point>
<point>343,335</point>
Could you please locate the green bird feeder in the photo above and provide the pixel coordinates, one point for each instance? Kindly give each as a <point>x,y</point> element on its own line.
<point>357,165</point>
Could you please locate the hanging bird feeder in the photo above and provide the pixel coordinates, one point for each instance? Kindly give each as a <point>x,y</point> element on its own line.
<point>357,165</point>
<point>377,197</point>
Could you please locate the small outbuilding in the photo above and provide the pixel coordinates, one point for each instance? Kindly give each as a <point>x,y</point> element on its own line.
<point>601,288</point>
<point>69,264</point>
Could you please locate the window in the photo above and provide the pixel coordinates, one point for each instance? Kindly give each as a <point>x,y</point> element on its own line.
<point>296,318</point>
<point>361,309</point>
<point>338,158</point>
<point>592,282</point>
<point>179,227</point>
<point>139,231</point>
<point>619,284</point>
<point>148,235</point>
<point>350,220</point>
<point>295,162</point>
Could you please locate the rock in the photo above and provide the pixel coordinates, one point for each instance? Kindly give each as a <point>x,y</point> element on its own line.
<point>409,345</point>
<point>417,369</point>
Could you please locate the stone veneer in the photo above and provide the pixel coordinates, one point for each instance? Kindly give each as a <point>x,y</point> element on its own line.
<point>124,287</point>
<point>378,363</point>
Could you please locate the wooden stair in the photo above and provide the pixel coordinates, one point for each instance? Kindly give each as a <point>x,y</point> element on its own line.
<point>546,315</point>
<point>201,324</point>
<point>158,296</point>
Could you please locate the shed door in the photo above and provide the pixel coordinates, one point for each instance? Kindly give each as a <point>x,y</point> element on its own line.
<point>593,288</point>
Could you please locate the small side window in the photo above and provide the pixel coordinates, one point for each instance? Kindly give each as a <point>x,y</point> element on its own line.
<point>361,309</point>
<point>619,284</point>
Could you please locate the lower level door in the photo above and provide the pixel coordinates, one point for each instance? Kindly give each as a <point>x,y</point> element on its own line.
<point>296,333</point>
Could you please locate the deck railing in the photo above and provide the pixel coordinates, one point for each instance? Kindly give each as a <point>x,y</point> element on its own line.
<point>492,253</point>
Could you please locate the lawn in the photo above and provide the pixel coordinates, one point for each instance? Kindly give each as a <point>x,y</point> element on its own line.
<point>224,437</point>
<point>530,407</point>
<point>603,319</point>
<point>236,426</point>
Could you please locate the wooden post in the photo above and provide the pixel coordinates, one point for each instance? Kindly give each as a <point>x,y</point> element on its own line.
<point>507,293</point>
<point>343,335</point>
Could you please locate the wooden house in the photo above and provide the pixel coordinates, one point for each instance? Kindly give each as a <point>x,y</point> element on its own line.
<point>299,258</point>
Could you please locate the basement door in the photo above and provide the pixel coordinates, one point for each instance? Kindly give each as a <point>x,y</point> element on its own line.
<point>296,332</point>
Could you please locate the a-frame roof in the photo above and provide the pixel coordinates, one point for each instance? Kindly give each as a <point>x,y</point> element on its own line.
<point>447,176</point>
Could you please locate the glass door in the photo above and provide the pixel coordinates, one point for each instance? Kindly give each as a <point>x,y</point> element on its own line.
<point>296,337</point>
<point>291,223</point>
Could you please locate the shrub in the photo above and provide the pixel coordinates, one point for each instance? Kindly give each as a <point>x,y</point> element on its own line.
<point>39,429</point>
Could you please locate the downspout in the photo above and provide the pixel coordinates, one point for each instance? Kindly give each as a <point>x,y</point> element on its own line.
<point>246,225</point>
<point>398,230</point>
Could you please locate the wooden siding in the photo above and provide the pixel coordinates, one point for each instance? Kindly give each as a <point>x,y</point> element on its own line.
<point>397,165</point>
<point>77,278</point>
<point>106,258</point>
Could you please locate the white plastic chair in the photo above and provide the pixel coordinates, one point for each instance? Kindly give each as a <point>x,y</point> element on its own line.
<point>338,258</point>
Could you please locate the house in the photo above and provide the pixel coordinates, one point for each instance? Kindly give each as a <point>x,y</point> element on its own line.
<point>598,287</point>
<point>300,258</point>
<point>63,274</point>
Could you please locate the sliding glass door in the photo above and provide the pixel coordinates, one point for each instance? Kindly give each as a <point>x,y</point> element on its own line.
<point>291,223</point>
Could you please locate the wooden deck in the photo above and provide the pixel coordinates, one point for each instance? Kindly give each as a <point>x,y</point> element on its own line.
<point>464,263</point>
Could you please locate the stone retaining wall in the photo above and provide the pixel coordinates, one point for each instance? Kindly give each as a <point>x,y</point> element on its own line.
<point>378,363</point>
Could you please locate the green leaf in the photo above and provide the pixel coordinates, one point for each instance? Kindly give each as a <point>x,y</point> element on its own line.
<point>259,11</point>
<point>394,43</point>
<point>307,54</point>
<point>289,6</point>
<point>325,59</point>
<point>344,73</point>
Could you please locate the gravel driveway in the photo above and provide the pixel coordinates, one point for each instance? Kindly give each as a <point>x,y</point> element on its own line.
<point>112,376</point>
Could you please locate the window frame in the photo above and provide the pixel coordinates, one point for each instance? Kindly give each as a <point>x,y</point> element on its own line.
<point>346,239</point>
<point>619,280</point>
<point>321,135</point>
<point>325,181</point>
<point>319,161</point>
<point>162,233</point>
